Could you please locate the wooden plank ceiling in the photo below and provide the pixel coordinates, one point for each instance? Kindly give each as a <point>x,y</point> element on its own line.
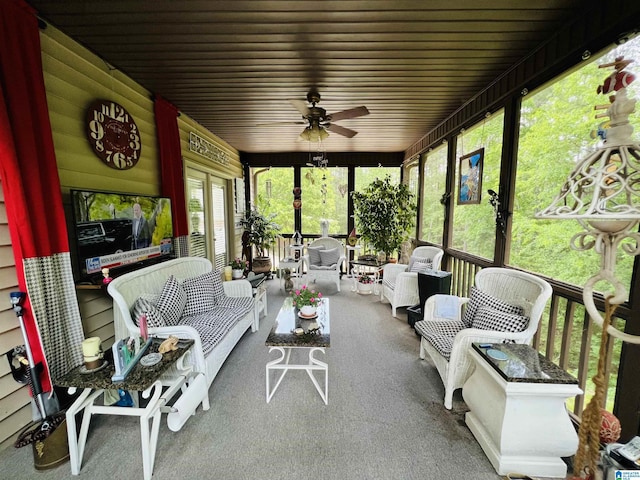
<point>234,65</point>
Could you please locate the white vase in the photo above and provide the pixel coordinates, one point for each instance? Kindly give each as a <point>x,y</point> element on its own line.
<point>237,273</point>
<point>365,287</point>
<point>308,311</point>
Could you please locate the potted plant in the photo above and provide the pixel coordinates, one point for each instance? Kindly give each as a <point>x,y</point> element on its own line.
<point>238,266</point>
<point>261,232</point>
<point>385,214</point>
<point>365,283</point>
<point>306,300</point>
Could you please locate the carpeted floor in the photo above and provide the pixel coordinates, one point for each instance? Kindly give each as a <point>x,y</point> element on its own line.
<point>385,418</point>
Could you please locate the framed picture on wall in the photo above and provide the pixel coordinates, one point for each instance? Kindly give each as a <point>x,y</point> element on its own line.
<point>470,178</point>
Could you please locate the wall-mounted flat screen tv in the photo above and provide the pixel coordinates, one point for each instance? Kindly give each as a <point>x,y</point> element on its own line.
<point>119,230</point>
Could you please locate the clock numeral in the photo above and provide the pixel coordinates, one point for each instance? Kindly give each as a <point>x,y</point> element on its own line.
<point>99,146</point>
<point>98,116</point>
<point>96,130</point>
<point>115,111</point>
<point>134,142</point>
<point>118,158</point>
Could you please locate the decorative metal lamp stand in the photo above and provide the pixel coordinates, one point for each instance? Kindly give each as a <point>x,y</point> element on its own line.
<point>603,194</point>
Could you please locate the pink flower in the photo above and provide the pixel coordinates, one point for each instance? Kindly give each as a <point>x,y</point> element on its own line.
<point>312,300</point>
<point>319,295</point>
<point>297,292</point>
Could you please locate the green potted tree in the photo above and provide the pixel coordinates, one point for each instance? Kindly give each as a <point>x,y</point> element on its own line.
<point>384,213</point>
<point>260,232</point>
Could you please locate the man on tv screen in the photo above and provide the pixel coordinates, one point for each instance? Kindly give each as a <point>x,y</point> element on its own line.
<point>141,237</point>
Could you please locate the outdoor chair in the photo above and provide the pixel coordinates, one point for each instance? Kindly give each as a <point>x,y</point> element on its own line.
<point>324,259</point>
<point>400,281</point>
<point>505,306</point>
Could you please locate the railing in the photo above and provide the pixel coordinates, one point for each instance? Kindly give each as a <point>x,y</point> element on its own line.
<point>566,335</point>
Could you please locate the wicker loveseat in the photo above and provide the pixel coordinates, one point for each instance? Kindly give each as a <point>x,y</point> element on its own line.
<point>227,326</point>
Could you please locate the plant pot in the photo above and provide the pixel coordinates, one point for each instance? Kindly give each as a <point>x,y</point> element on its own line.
<point>237,273</point>
<point>308,310</point>
<point>365,288</point>
<point>262,265</point>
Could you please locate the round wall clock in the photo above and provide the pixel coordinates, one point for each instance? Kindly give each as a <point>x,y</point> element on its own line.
<point>113,134</point>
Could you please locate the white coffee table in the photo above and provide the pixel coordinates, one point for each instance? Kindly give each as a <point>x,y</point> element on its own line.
<point>283,339</point>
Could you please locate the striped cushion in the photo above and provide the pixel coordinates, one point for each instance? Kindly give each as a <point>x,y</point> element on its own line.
<point>418,262</point>
<point>479,298</point>
<point>141,307</point>
<point>440,334</point>
<point>330,257</point>
<point>201,293</point>
<point>490,319</point>
<point>172,301</point>
<point>314,255</point>
<point>421,267</point>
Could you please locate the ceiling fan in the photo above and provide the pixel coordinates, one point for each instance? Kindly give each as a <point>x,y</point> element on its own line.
<point>319,121</point>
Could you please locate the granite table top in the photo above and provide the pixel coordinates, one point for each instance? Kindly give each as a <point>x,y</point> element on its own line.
<point>523,364</point>
<point>139,379</point>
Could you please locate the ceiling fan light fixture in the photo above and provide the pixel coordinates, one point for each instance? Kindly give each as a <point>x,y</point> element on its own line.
<point>314,133</point>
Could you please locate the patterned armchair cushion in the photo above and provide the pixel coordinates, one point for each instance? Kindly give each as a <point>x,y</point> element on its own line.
<point>419,264</point>
<point>142,306</point>
<point>487,318</point>
<point>440,334</point>
<point>314,255</point>
<point>479,298</point>
<point>202,293</point>
<point>330,257</point>
<point>172,301</point>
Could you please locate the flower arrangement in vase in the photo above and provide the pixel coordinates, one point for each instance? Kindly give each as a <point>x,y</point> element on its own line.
<point>306,300</point>
<point>238,266</point>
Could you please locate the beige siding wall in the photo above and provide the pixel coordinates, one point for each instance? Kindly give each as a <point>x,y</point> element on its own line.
<point>15,411</point>
<point>74,77</point>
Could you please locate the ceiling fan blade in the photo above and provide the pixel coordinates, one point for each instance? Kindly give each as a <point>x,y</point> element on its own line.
<point>273,124</point>
<point>345,132</point>
<point>350,113</point>
<point>301,106</point>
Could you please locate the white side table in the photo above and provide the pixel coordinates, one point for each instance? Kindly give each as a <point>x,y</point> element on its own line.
<point>290,264</point>
<point>260,301</point>
<point>348,249</point>
<point>152,385</point>
<point>517,410</point>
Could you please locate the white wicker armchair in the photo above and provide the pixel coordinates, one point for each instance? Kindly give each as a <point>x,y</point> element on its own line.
<point>512,287</point>
<point>325,270</point>
<point>400,286</point>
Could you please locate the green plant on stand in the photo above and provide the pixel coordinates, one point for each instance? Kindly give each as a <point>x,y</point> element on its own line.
<point>262,232</point>
<point>384,213</point>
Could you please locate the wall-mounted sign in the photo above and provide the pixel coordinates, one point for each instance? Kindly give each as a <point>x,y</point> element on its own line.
<point>202,147</point>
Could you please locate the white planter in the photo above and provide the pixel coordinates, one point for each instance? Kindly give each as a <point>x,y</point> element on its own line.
<point>308,311</point>
<point>237,273</point>
<point>365,288</point>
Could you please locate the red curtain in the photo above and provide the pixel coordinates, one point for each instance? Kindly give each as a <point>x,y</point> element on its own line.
<point>171,163</point>
<point>27,161</point>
